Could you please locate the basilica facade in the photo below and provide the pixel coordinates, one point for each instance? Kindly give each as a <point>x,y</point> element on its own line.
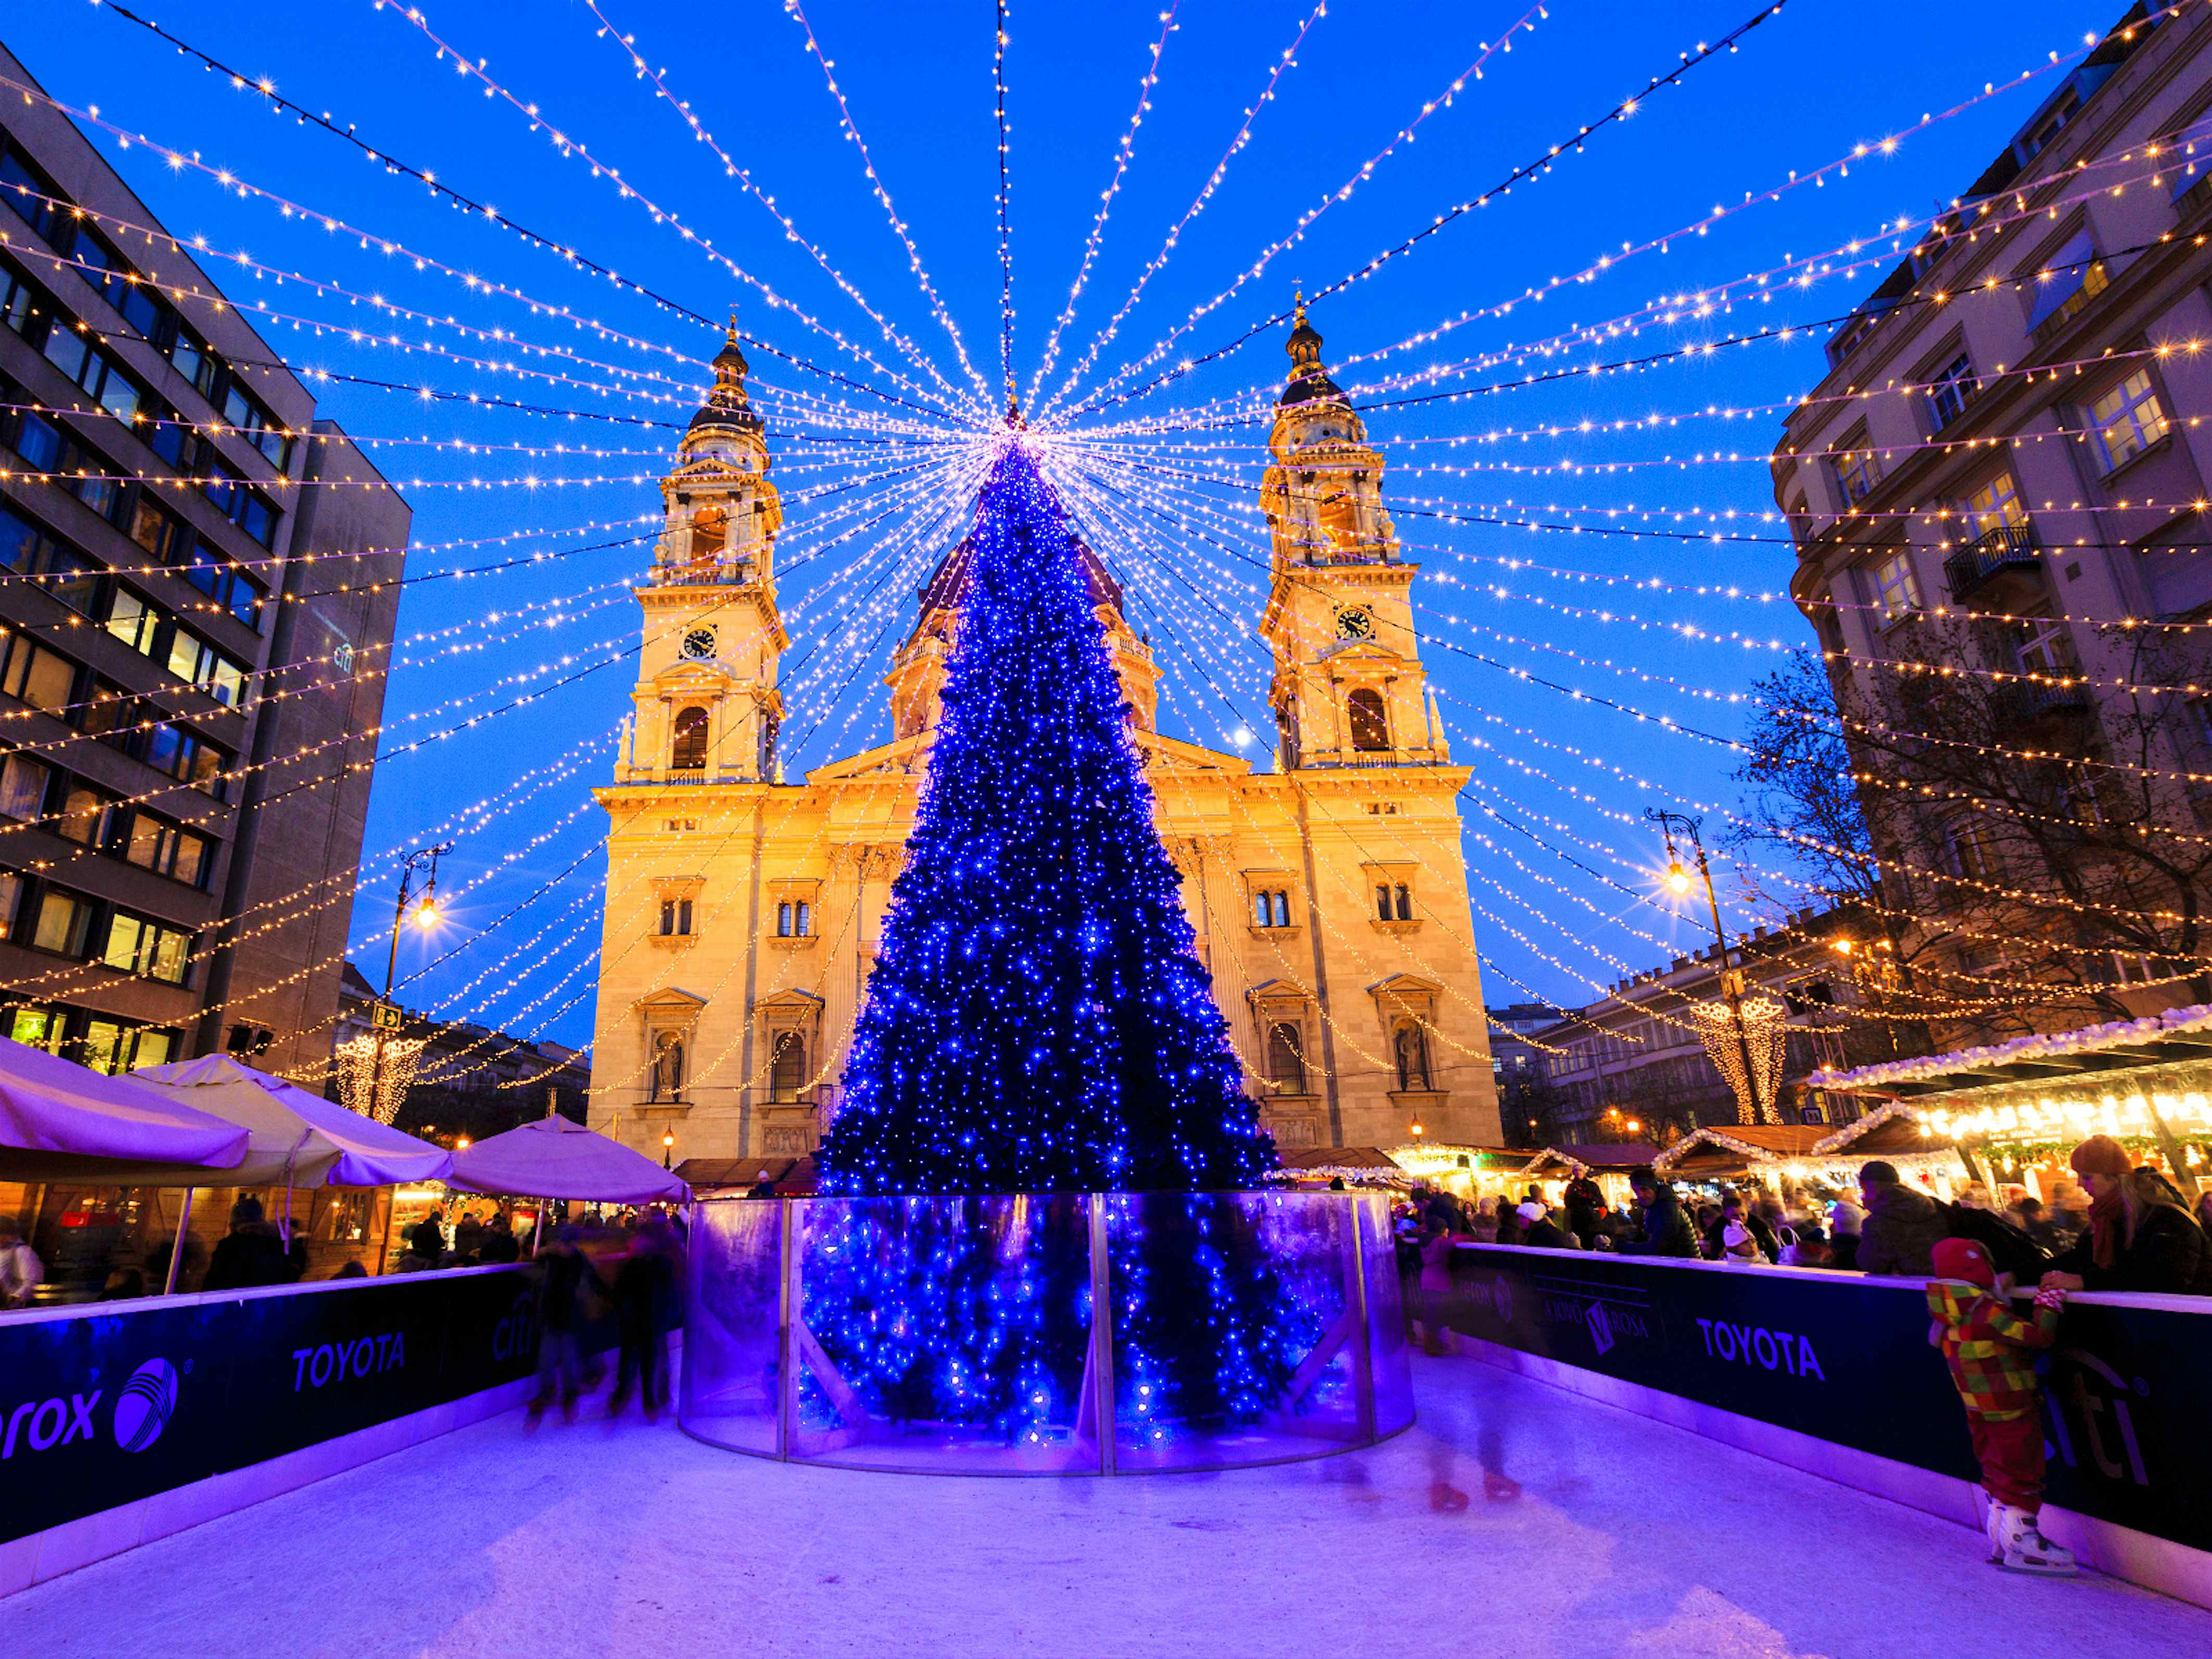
<point>1328,893</point>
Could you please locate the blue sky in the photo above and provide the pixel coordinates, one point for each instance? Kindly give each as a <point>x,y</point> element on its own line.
<point>1805,87</point>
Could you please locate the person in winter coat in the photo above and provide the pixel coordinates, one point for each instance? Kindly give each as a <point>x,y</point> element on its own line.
<point>251,1254</point>
<point>644,1288</point>
<point>1585,1202</point>
<point>1666,1230</point>
<point>1739,1246</point>
<point>1732,1214</point>
<point>1902,1227</point>
<point>565,1273</point>
<point>1844,1220</point>
<point>21,1270</point>
<point>1991,1353</point>
<point>1539,1232</point>
<point>2140,1236</point>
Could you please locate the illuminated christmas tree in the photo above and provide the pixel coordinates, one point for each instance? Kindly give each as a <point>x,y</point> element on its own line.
<point>1038,1022</point>
<point>1037,1018</point>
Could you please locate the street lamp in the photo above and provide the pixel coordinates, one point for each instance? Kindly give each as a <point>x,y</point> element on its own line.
<point>667,1148</point>
<point>1678,881</point>
<point>426,918</point>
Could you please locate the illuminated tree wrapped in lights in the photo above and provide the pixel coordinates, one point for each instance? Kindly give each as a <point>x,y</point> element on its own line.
<point>1038,1022</point>
<point>1037,1018</point>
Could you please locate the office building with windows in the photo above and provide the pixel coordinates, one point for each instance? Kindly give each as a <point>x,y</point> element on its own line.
<point>187,706</point>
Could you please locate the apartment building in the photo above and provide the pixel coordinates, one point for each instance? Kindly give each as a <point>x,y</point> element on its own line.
<point>187,701</point>
<point>1997,493</point>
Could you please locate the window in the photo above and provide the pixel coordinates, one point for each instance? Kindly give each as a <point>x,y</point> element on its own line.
<point>690,754</point>
<point>788,1074</point>
<point>162,848</point>
<point>1405,902</point>
<point>1896,585</point>
<point>2042,645</point>
<point>1996,506</point>
<point>1950,391</point>
<point>56,570</point>
<point>794,919</point>
<point>2074,276</point>
<point>65,921</point>
<point>154,528</point>
<point>710,530</point>
<point>102,379</point>
<point>2051,125</point>
<point>2129,419</point>
<point>1967,852</point>
<point>135,622</point>
<point>1271,908</point>
<point>1370,725</point>
<point>194,361</point>
<point>168,748</point>
<point>40,442</point>
<point>111,274</point>
<point>1287,1065</point>
<point>22,790</point>
<point>1853,473</point>
<point>112,1047</point>
<point>675,918</point>
<point>84,815</point>
<point>25,186</point>
<point>147,949</point>
<point>11,891</point>
<point>243,411</point>
<point>237,501</point>
<point>194,660</point>
<point>36,676</point>
<point>1410,1049</point>
<point>225,583</point>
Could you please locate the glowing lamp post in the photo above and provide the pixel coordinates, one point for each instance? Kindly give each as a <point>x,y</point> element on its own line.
<point>390,1074</point>
<point>1751,1105</point>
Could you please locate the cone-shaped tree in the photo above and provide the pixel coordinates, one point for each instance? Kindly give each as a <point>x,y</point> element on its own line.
<point>1037,1019</point>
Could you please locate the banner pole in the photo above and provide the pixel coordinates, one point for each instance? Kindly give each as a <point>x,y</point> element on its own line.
<point>177,1249</point>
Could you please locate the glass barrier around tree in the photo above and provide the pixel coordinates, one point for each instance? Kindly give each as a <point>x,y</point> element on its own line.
<point>958,1334</point>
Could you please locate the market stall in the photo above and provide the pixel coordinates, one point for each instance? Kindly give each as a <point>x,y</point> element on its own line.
<point>1355,1166</point>
<point>1823,1159</point>
<point>2015,1110</point>
<point>1608,1163</point>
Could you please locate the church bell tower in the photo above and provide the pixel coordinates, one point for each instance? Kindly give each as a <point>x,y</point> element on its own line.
<point>708,706</point>
<point>1349,688</point>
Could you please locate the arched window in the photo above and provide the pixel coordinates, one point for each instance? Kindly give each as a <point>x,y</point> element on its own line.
<point>1282,909</point>
<point>1370,725</point>
<point>1383,904</point>
<point>1287,1063</point>
<point>787,1076</point>
<point>1411,1044</point>
<point>1339,521</point>
<point>690,750</point>
<point>794,920</point>
<point>1405,904</point>
<point>666,1081</point>
<point>710,531</point>
<point>1259,908</point>
<point>675,917</point>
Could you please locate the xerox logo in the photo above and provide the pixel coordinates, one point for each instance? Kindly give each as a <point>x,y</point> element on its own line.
<point>1501,1298</point>
<point>142,1410</point>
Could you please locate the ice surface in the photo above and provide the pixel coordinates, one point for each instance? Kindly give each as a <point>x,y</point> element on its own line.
<point>1628,1538</point>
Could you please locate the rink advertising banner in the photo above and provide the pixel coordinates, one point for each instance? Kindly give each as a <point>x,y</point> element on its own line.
<point>115,1403</point>
<point>2127,1391</point>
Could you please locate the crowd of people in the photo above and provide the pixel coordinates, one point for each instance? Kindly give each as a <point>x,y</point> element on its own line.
<point>628,1268</point>
<point>2118,1226</point>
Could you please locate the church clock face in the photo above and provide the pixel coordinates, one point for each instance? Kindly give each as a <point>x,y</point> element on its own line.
<point>699,644</point>
<point>1353,623</point>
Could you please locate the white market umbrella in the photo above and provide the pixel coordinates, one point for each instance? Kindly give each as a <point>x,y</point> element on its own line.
<point>63,1121</point>
<point>297,1139</point>
<point>294,1138</point>
<point>556,1158</point>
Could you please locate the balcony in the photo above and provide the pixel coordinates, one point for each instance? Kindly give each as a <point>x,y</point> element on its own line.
<point>2008,552</point>
<point>2028,705</point>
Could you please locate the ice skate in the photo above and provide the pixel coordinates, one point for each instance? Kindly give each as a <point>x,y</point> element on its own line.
<point>2026,1550</point>
<point>1993,1515</point>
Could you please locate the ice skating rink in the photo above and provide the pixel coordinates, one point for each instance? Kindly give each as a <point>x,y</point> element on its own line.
<point>1628,1540</point>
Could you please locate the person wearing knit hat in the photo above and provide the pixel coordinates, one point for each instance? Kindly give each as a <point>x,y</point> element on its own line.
<point>1844,1220</point>
<point>2140,1235</point>
<point>1991,1353</point>
<point>1739,1247</point>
